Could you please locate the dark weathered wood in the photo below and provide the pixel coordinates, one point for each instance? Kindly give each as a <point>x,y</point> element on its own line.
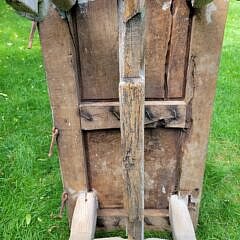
<point>177,55</point>
<point>158,28</point>
<point>161,161</point>
<point>200,3</point>
<point>181,222</point>
<point>201,84</point>
<point>64,5</point>
<point>106,115</point>
<point>97,23</point>
<point>62,84</point>
<point>131,94</point>
<point>131,99</point>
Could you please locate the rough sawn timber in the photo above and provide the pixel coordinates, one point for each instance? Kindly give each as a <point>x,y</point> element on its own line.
<point>176,60</point>
<point>131,99</point>
<point>200,91</point>
<point>62,84</point>
<point>105,115</point>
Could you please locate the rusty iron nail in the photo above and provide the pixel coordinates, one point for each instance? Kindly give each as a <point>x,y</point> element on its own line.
<point>64,199</point>
<point>55,133</point>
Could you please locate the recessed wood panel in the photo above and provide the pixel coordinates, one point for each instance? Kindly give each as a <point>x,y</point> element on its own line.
<point>98,42</point>
<point>178,50</point>
<point>105,166</point>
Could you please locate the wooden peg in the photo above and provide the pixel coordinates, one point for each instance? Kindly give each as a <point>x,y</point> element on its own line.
<point>182,227</point>
<point>84,217</point>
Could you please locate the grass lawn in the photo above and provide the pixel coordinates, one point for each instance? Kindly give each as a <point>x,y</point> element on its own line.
<point>30,183</point>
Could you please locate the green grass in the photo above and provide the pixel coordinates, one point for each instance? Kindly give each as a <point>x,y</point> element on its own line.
<point>30,183</point>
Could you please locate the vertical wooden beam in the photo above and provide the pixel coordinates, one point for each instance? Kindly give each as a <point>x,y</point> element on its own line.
<point>58,56</point>
<point>131,96</point>
<point>203,65</point>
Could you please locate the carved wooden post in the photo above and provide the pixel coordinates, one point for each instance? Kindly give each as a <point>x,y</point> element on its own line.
<point>131,96</point>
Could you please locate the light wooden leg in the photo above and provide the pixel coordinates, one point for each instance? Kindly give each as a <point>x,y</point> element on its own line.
<point>84,217</point>
<point>182,227</point>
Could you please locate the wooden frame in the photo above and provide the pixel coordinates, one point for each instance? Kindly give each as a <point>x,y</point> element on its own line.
<point>79,120</point>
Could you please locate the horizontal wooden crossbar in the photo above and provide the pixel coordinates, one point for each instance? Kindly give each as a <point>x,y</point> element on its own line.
<point>105,115</point>
<point>154,219</point>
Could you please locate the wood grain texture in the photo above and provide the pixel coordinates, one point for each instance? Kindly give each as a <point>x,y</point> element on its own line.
<point>201,84</point>
<point>64,5</point>
<point>84,217</point>
<point>181,223</point>
<point>109,219</point>
<point>106,115</point>
<point>62,84</point>
<point>131,100</point>
<point>105,162</point>
<point>98,41</point>
<point>158,30</point>
<point>131,96</point>
<point>177,55</point>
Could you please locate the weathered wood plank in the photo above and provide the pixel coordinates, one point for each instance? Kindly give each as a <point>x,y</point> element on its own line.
<point>161,162</point>
<point>28,6</point>
<point>204,59</point>
<point>131,94</point>
<point>84,217</point>
<point>97,23</point>
<point>62,83</point>
<point>105,115</point>
<point>181,223</point>
<point>158,29</point>
<point>176,64</point>
<point>64,5</point>
<point>131,98</point>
